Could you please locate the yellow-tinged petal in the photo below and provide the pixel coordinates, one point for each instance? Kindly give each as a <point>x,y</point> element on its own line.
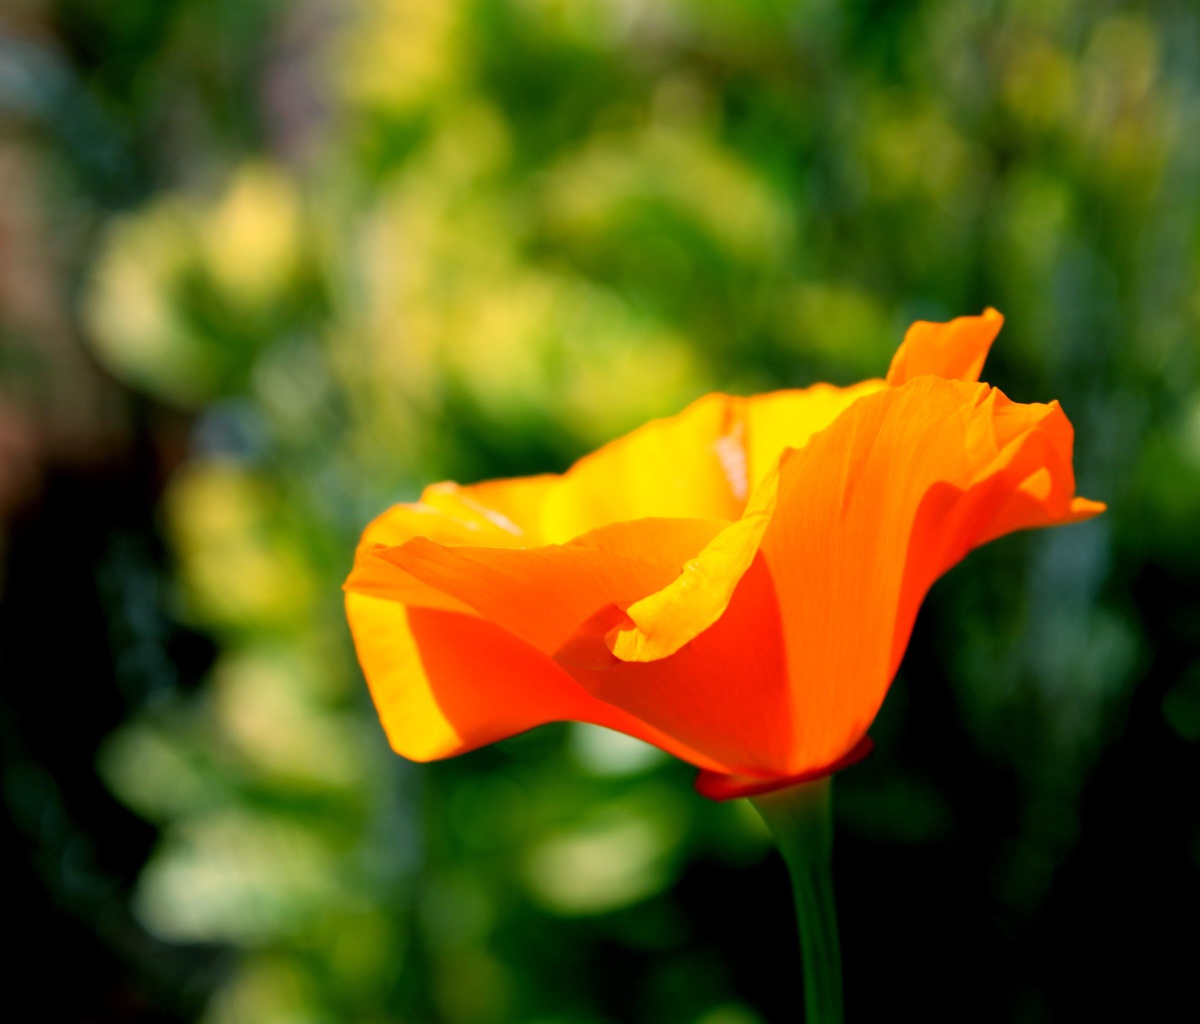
<point>789,419</point>
<point>513,506</point>
<point>387,651</point>
<point>662,622</point>
<point>956,350</point>
<point>675,468</point>
<point>689,466</point>
<point>445,683</point>
<point>442,514</point>
<point>544,594</point>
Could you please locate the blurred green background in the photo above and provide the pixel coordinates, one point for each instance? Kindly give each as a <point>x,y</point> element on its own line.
<point>267,267</point>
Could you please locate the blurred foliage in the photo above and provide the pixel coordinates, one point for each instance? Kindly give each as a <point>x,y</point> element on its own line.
<point>358,247</point>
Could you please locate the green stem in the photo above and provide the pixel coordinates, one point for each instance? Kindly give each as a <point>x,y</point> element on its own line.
<point>801,823</point>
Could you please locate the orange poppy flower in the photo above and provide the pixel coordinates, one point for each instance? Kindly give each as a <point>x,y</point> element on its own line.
<point>735,584</point>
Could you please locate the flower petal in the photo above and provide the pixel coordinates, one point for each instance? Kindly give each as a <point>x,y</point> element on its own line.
<point>871,512</point>
<point>664,620</point>
<point>445,683</point>
<point>544,594</point>
<point>675,468</point>
<point>661,623</point>
<point>688,466</point>
<point>444,514</point>
<point>375,577</point>
<point>725,693</point>
<point>513,506</point>
<point>789,419</point>
<point>955,350</point>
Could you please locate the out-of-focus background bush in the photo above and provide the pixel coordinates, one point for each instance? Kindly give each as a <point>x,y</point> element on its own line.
<point>266,267</point>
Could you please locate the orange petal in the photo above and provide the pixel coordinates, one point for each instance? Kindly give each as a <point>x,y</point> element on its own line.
<point>445,683</point>
<point>661,623</point>
<point>544,594</point>
<point>877,507</point>
<point>697,464</point>
<point>725,693</point>
<point>1029,483</point>
<point>442,514</point>
<point>955,350</point>
<point>376,577</point>
<point>665,619</point>
<point>788,419</point>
